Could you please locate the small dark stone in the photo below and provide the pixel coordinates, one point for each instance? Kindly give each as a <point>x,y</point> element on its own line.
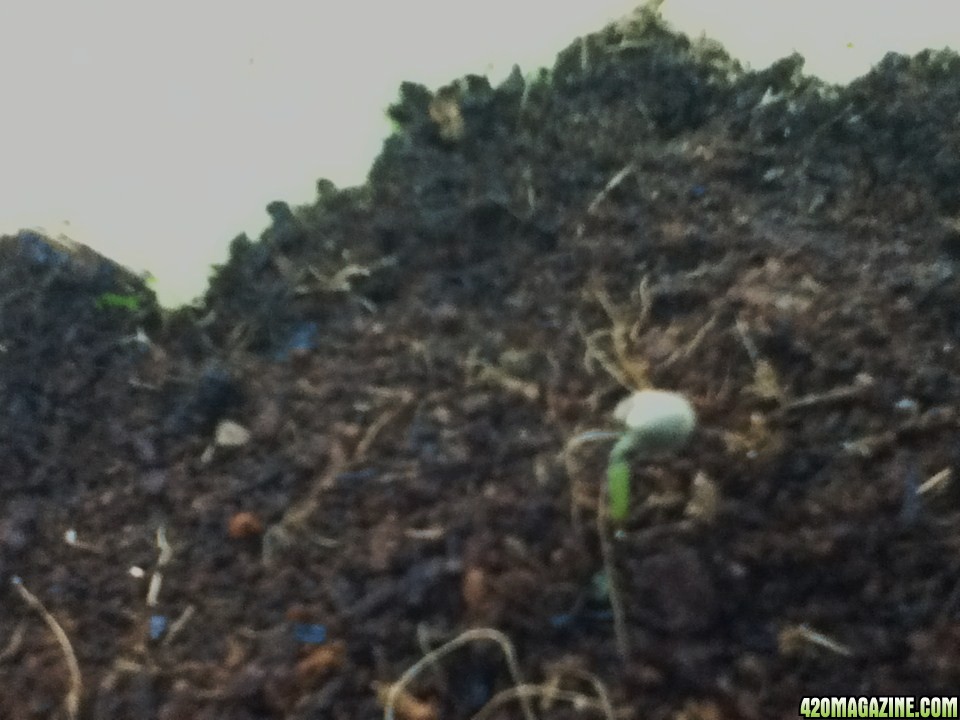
<point>153,482</point>
<point>673,591</point>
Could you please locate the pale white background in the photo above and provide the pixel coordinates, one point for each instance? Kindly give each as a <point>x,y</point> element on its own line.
<point>156,131</point>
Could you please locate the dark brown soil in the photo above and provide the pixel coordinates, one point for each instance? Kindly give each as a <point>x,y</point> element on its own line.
<point>411,357</point>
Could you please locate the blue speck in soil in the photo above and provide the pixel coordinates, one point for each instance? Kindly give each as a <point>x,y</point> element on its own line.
<point>310,633</point>
<point>40,251</point>
<point>558,622</point>
<point>303,337</point>
<point>158,626</point>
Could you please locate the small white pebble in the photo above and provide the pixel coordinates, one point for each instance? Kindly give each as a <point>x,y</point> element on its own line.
<point>231,434</point>
<point>136,572</point>
<point>906,404</point>
<point>70,537</point>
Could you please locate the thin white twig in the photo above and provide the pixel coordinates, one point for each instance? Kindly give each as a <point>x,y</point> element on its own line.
<point>166,553</point>
<point>579,701</point>
<point>603,695</point>
<point>469,636</point>
<point>75,692</point>
<point>618,178</point>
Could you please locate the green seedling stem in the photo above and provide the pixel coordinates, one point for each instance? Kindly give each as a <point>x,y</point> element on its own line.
<point>618,477</point>
<point>641,443</point>
<point>127,302</point>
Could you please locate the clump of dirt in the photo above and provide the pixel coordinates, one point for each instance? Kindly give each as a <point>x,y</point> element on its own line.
<point>274,503</point>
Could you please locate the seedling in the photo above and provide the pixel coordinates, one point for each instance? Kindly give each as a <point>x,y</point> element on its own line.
<point>657,422</point>
<point>116,300</point>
